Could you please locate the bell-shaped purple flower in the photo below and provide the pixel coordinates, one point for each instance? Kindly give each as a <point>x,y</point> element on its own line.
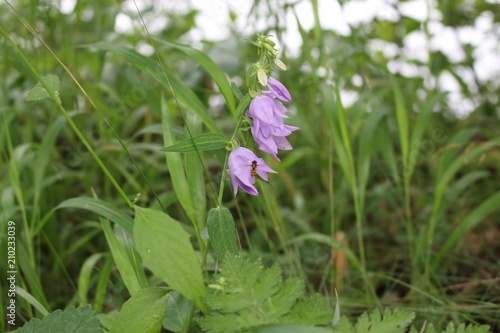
<point>244,165</point>
<point>278,90</point>
<point>268,128</point>
<point>271,143</point>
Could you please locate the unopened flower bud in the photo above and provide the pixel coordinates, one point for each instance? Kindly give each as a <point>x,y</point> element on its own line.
<point>271,49</point>
<point>262,76</point>
<point>280,64</point>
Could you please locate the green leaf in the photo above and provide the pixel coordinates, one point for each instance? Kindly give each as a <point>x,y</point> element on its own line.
<point>242,106</point>
<point>468,223</point>
<point>313,310</point>
<point>84,277</point>
<point>215,72</point>
<point>236,91</point>
<point>396,321</point>
<point>222,232</point>
<point>462,328</point>
<point>129,269</point>
<point>201,142</point>
<point>39,92</point>
<point>166,250</point>
<point>143,312</point>
<point>244,297</point>
<point>178,313</point>
<point>100,208</point>
<point>195,176</point>
<point>20,292</point>
<point>375,322</point>
<point>292,329</point>
<point>71,320</point>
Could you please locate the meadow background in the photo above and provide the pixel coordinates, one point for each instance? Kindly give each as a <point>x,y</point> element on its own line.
<point>390,196</point>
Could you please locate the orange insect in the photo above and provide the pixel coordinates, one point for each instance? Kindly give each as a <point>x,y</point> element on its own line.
<point>253,172</point>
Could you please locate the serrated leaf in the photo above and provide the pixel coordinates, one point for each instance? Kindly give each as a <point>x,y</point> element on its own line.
<point>39,92</point>
<point>166,250</point>
<point>286,297</point>
<point>201,142</point>
<point>71,320</point>
<point>269,283</point>
<point>344,325</point>
<point>222,232</point>
<point>396,321</point>
<point>293,329</point>
<point>390,322</point>
<point>244,296</point>
<point>218,323</point>
<point>178,313</point>
<point>313,310</point>
<point>462,328</point>
<point>143,312</point>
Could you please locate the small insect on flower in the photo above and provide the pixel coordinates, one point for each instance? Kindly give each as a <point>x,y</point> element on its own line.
<point>241,161</point>
<point>253,172</point>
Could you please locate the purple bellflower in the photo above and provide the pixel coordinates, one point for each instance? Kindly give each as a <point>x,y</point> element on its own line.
<point>269,129</point>
<point>244,165</point>
<point>278,90</point>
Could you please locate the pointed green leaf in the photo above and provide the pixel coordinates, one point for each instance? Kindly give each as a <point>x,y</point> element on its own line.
<point>201,142</point>
<point>101,208</point>
<point>222,232</point>
<point>178,313</point>
<point>143,312</point>
<point>128,268</point>
<point>39,92</point>
<point>166,250</point>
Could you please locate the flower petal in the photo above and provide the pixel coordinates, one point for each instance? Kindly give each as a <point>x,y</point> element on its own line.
<point>278,89</point>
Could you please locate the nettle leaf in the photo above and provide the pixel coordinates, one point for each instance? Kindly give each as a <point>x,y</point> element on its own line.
<point>71,320</point>
<point>375,322</point>
<point>222,232</point>
<point>39,92</point>
<point>165,249</point>
<point>246,297</point>
<point>200,142</point>
<point>143,312</point>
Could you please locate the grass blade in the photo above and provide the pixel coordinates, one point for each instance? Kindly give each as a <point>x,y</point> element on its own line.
<point>215,72</point>
<point>149,66</point>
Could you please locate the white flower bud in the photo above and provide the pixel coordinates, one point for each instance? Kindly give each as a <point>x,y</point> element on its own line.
<point>262,76</point>
<point>280,64</point>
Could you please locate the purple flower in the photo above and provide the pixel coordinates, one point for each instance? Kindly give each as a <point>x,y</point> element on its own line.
<point>272,143</point>
<point>278,90</point>
<point>244,165</point>
<point>268,128</point>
